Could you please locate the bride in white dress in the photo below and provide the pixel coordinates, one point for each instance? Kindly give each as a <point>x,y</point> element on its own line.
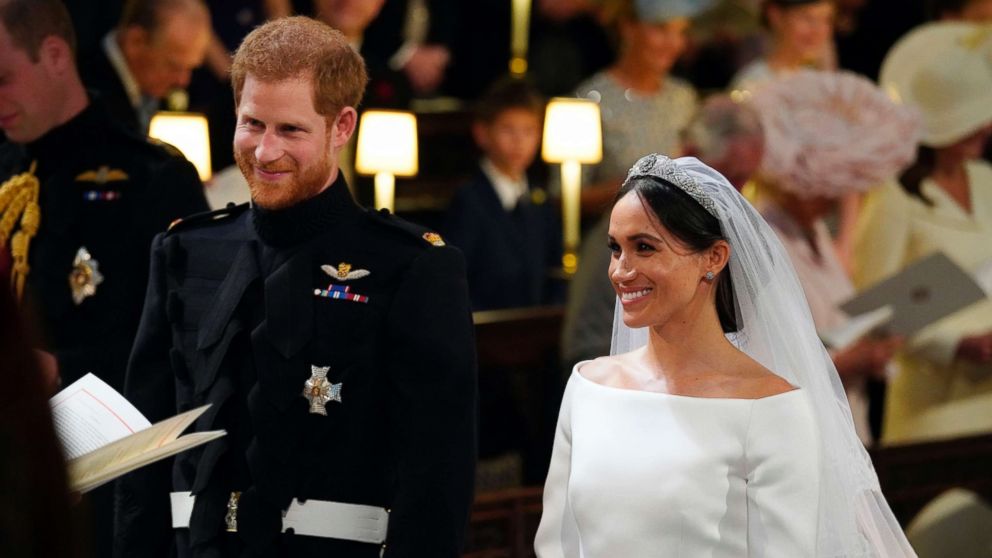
<point>719,427</point>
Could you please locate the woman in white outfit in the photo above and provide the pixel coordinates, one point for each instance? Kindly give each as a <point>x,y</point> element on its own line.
<point>719,426</point>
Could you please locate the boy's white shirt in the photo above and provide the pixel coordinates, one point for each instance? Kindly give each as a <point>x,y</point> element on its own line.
<point>508,189</point>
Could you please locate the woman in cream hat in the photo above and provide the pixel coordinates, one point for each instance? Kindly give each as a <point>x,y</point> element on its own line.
<point>944,203</point>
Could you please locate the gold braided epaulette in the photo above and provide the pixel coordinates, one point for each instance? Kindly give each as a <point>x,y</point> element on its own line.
<point>19,203</point>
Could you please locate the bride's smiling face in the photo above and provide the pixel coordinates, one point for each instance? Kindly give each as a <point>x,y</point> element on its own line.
<point>657,277</point>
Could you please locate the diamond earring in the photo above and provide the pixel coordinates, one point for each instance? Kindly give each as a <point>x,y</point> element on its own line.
<point>710,276</point>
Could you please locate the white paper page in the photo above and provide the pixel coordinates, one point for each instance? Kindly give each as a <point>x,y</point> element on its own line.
<point>89,414</point>
<point>146,440</point>
<point>84,479</point>
<point>983,276</point>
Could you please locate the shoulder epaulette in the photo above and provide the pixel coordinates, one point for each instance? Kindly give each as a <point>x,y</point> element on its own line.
<point>422,233</point>
<point>168,147</point>
<point>232,210</point>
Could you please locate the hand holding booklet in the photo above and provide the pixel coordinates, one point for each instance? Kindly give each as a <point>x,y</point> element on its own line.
<point>105,436</point>
<point>905,303</point>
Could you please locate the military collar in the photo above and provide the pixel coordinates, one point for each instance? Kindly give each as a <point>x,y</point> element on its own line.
<point>309,218</point>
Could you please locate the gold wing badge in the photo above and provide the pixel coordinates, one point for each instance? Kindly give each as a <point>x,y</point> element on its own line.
<point>102,175</point>
<point>344,272</point>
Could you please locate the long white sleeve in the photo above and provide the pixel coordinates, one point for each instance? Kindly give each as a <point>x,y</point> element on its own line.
<point>783,472</point>
<point>557,535</point>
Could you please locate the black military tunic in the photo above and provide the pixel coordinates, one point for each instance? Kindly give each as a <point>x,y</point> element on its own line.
<point>241,307</point>
<point>107,191</point>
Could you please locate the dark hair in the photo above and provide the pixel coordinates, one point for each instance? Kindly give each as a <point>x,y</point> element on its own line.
<point>691,224</point>
<point>35,519</point>
<point>30,22</point>
<point>509,93</point>
<point>912,178</point>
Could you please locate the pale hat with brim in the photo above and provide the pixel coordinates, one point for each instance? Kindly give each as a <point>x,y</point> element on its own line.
<point>831,133</point>
<point>944,71</point>
<point>659,11</point>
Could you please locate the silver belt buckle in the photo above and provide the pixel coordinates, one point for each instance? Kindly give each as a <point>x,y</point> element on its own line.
<point>231,518</point>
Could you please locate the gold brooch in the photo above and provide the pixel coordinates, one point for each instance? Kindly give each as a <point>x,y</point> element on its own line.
<point>434,238</point>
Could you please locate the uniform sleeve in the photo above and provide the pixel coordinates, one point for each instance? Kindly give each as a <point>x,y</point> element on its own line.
<point>142,522</point>
<point>432,370</point>
<point>881,235</point>
<point>557,534</point>
<point>783,478</point>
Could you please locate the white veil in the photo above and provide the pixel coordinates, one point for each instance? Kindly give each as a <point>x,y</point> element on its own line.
<point>777,330</point>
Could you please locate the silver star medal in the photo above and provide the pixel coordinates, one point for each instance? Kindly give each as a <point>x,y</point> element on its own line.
<point>85,276</point>
<point>319,391</point>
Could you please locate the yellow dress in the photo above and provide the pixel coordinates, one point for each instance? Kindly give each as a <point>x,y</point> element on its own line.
<point>934,395</point>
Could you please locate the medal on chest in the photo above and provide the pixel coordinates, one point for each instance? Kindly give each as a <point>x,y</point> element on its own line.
<point>343,272</point>
<point>319,391</point>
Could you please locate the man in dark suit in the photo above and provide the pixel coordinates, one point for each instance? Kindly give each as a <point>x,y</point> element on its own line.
<point>91,198</point>
<point>154,49</point>
<point>501,220</point>
<point>408,45</point>
<point>334,343</point>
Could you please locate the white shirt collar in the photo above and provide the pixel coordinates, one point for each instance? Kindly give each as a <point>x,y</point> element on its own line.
<point>117,60</point>
<point>507,189</point>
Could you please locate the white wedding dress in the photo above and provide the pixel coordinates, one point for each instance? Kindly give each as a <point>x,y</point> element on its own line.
<point>638,474</point>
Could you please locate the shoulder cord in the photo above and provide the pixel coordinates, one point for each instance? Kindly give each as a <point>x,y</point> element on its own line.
<point>19,201</point>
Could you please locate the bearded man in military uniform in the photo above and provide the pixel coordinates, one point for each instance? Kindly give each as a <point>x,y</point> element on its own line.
<point>334,343</point>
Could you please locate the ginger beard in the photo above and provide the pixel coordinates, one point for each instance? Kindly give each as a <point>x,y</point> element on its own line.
<point>295,186</point>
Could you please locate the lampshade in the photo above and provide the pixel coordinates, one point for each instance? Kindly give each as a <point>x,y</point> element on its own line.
<point>572,132</point>
<point>387,142</point>
<point>187,132</point>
